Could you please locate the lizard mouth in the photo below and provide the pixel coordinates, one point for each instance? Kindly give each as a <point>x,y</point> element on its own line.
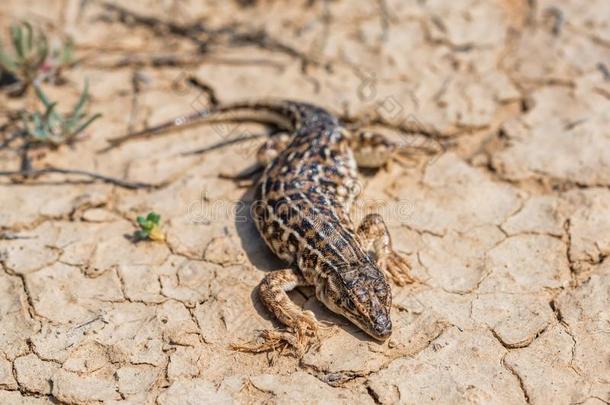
<point>382,329</point>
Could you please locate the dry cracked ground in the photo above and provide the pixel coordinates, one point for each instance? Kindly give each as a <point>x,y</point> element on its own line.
<point>502,205</point>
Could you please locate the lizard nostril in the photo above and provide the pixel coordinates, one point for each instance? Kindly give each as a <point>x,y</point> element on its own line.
<point>383,326</point>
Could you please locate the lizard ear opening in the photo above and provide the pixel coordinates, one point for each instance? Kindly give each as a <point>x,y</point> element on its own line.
<point>321,289</point>
<point>328,293</point>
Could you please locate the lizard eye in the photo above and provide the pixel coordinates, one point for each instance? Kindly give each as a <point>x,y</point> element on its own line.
<point>381,291</point>
<point>362,295</point>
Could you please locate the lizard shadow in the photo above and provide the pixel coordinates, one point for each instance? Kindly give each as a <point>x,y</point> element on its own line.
<point>257,252</point>
<point>261,257</point>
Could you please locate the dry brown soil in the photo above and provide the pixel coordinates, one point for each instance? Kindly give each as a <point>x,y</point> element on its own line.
<point>503,205</point>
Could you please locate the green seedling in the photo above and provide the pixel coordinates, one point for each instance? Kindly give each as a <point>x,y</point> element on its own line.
<point>32,58</point>
<point>61,54</point>
<point>54,128</point>
<point>150,228</point>
<point>30,50</point>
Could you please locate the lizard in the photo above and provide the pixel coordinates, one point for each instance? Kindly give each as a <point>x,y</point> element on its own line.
<point>301,210</point>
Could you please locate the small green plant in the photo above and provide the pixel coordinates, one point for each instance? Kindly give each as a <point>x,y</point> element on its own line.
<point>150,228</point>
<point>32,57</point>
<point>54,128</point>
<point>30,50</point>
<point>61,54</point>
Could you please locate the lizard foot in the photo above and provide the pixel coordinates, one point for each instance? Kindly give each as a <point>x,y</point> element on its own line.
<point>297,339</point>
<point>397,268</point>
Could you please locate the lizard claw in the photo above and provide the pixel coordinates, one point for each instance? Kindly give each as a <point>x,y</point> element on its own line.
<point>397,268</point>
<point>298,339</point>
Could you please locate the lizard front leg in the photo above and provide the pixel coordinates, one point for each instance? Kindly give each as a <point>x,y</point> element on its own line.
<point>302,326</point>
<point>376,240</point>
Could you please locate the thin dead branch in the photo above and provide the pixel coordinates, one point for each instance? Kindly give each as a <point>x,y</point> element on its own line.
<point>19,175</point>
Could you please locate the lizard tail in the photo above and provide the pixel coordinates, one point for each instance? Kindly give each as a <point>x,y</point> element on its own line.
<point>284,114</point>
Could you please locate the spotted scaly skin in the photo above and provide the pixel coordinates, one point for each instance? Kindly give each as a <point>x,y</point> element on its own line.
<point>302,210</point>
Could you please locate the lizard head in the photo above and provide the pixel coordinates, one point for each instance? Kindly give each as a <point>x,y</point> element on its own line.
<point>363,296</point>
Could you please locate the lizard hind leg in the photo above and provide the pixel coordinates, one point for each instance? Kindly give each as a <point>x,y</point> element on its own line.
<point>302,327</point>
<point>372,150</point>
<point>271,148</point>
<point>376,240</point>
<point>264,155</point>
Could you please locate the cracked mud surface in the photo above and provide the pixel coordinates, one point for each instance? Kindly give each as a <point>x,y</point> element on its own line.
<point>508,229</point>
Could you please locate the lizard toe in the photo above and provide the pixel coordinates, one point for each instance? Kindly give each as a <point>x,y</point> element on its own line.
<point>397,268</point>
